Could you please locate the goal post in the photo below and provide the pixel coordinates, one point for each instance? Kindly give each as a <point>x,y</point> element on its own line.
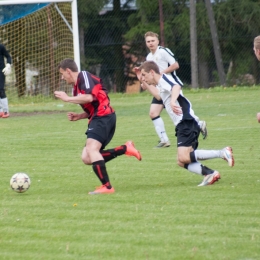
<point>37,41</point>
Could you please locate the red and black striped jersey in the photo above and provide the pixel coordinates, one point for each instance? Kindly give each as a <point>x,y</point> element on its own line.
<point>91,84</point>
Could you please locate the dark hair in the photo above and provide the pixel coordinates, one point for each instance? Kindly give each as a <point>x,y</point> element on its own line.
<point>147,66</point>
<point>68,64</point>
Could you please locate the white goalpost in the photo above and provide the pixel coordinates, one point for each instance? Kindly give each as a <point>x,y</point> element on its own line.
<point>37,40</point>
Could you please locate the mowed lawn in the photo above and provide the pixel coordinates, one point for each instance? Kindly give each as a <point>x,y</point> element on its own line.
<point>158,212</point>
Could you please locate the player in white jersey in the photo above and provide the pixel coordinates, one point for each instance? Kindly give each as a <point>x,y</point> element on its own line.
<point>187,128</point>
<point>257,54</point>
<point>167,64</point>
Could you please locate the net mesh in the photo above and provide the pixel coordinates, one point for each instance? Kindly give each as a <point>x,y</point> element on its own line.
<point>37,43</point>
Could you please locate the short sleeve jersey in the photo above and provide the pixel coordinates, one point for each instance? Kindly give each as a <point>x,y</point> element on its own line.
<point>90,84</point>
<point>164,58</point>
<point>165,85</point>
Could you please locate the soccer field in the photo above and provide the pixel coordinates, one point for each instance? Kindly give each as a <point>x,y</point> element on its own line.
<point>158,212</point>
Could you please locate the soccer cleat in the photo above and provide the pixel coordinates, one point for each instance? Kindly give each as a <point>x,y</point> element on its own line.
<point>1,114</point>
<point>203,129</point>
<point>227,153</point>
<point>210,179</point>
<point>102,190</point>
<point>132,151</point>
<point>5,115</point>
<point>163,144</point>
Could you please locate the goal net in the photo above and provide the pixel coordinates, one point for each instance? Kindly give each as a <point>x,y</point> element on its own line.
<point>38,37</point>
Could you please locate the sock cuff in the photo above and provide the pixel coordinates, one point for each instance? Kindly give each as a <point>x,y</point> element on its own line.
<point>101,162</point>
<point>192,157</point>
<point>155,118</point>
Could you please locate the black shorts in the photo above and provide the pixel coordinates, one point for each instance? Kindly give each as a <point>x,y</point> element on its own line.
<point>187,132</point>
<point>156,101</point>
<point>102,129</point>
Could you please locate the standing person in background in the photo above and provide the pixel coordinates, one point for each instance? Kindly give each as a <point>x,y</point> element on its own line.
<point>4,71</point>
<point>167,64</point>
<point>257,54</point>
<point>187,128</point>
<point>90,93</point>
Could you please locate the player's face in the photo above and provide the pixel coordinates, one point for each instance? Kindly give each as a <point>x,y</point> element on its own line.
<point>152,43</point>
<point>65,75</point>
<point>147,77</point>
<point>257,53</point>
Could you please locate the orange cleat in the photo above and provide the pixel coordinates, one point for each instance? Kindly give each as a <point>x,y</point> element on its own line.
<point>5,115</point>
<point>132,151</point>
<point>1,114</point>
<point>102,190</point>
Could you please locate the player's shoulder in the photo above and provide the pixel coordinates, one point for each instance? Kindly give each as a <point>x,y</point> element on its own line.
<point>165,50</point>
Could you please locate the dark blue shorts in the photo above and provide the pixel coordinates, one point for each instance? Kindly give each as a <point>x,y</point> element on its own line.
<point>102,129</point>
<point>156,101</point>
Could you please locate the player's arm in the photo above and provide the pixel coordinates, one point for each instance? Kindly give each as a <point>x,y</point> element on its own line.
<point>81,99</point>
<point>168,56</point>
<point>75,116</point>
<point>174,95</point>
<point>171,68</point>
<point>153,90</point>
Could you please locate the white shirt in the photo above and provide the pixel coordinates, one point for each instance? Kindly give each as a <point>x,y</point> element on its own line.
<point>165,85</point>
<point>163,57</point>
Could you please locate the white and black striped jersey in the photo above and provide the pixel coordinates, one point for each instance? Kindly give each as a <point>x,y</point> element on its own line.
<point>163,57</point>
<point>165,85</point>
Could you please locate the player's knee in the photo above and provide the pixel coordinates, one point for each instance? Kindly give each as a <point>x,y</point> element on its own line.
<point>85,160</point>
<point>182,159</point>
<point>85,157</point>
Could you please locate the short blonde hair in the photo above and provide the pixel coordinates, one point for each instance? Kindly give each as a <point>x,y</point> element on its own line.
<point>152,34</point>
<point>257,42</point>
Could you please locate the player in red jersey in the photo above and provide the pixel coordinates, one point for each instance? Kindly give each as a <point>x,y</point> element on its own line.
<point>90,93</point>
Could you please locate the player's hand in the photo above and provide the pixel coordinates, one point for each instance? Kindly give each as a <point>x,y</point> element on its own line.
<point>61,95</point>
<point>176,109</point>
<point>73,116</point>
<point>7,70</point>
<point>144,85</point>
<point>138,73</point>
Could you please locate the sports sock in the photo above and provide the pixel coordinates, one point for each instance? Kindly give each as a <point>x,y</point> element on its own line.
<point>160,129</point>
<point>4,102</point>
<point>99,167</point>
<point>207,154</point>
<point>113,153</point>
<point>194,167</point>
<point>198,168</point>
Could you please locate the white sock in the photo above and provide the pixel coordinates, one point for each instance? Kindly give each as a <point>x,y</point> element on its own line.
<point>195,168</point>
<point>207,154</point>
<point>4,102</point>
<point>1,106</point>
<point>160,129</point>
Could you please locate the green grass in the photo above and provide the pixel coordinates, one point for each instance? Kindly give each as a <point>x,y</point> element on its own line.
<point>157,212</point>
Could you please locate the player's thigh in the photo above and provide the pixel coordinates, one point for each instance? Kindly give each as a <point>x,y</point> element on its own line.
<point>184,154</point>
<point>91,151</point>
<point>155,110</point>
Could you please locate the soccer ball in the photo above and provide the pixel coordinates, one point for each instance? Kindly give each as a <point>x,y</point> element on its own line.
<point>20,182</point>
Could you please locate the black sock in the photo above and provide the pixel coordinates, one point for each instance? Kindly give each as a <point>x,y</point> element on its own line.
<point>100,170</point>
<point>113,153</point>
<point>206,170</point>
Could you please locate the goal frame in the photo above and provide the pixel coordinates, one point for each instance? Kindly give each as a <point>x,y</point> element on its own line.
<point>74,15</point>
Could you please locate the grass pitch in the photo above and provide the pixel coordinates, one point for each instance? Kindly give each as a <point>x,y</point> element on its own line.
<point>157,212</point>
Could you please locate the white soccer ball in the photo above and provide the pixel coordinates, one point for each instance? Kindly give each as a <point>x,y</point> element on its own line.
<point>20,182</point>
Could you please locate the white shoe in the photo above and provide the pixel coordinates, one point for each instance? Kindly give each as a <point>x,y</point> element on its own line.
<point>227,154</point>
<point>203,129</point>
<point>210,178</point>
<point>163,144</point>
